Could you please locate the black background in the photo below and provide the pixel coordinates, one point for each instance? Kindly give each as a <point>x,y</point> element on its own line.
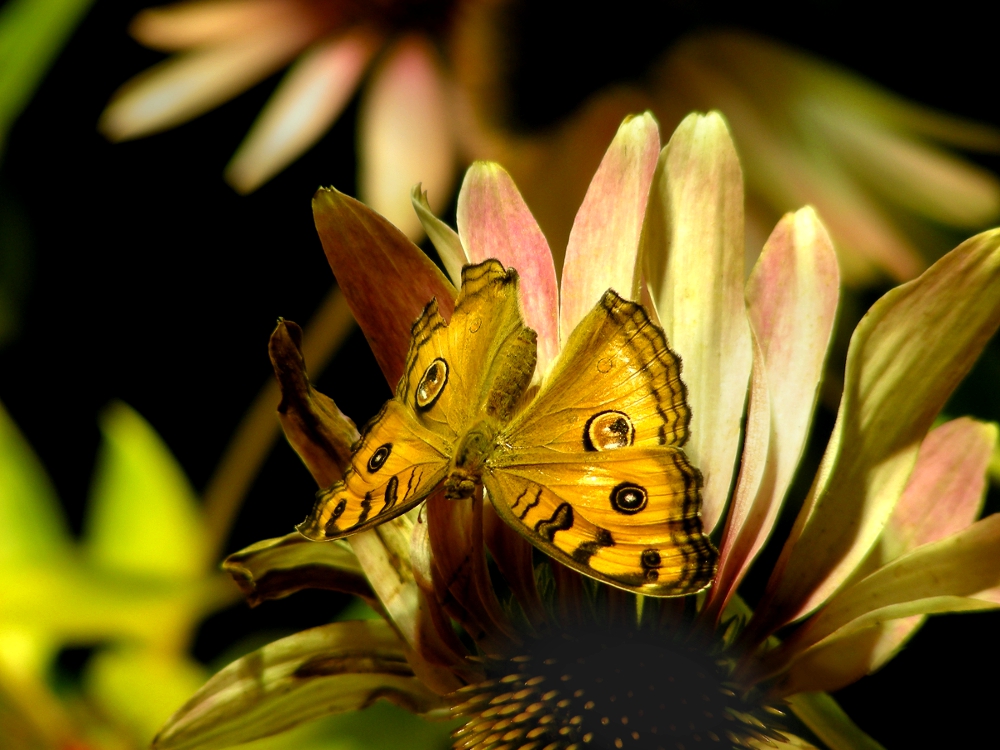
<point>153,282</point>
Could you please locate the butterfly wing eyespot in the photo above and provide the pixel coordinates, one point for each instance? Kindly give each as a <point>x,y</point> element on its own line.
<point>379,457</point>
<point>608,430</point>
<point>628,498</point>
<point>431,384</point>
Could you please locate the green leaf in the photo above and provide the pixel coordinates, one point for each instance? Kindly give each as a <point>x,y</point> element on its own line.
<point>32,528</point>
<point>144,516</point>
<point>31,34</point>
<point>334,668</point>
<point>140,687</point>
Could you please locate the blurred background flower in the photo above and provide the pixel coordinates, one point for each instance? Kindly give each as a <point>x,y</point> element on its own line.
<point>144,277</point>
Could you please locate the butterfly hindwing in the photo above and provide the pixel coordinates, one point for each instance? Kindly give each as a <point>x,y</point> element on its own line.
<point>629,517</point>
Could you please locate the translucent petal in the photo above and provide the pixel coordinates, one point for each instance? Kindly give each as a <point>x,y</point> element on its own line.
<point>204,22</point>
<point>446,240</point>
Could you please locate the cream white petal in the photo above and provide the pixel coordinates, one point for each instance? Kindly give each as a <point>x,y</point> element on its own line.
<point>304,106</point>
<point>192,83</point>
<point>405,135</point>
<point>445,239</point>
<point>693,251</point>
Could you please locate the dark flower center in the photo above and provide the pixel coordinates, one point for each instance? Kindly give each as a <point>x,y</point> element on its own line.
<point>589,693</point>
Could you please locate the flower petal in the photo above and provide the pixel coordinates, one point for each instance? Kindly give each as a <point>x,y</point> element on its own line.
<point>791,303</point>
<point>905,358</point>
<point>343,666</point>
<point>945,491</point>
<point>276,568</point>
<point>404,134</point>
<point>316,429</point>
<point>446,240</point>
<point>943,576</point>
<point>827,720</point>
<point>304,106</point>
<point>188,85</point>
<point>693,251</point>
<point>205,22</point>
<point>604,243</point>
<point>386,278</point>
<point>495,222</point>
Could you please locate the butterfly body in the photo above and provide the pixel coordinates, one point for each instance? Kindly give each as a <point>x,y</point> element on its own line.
<point>588,466</point>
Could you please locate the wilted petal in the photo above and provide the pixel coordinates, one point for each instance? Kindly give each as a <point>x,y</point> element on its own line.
<point>318,431</point>
<point>204,22</point>
<point>344,666</point>
<point>386,278</point>
<point>190,84</point>
<point>693,251</point>
<point>495,222</point>
<point>513,556</point>
<point>791,303</point>
<point>276,568</point>
<point>404,134</point>
<point>604,242</point>
<point>905,358</point>
<point>304,106</point>
<point>827,720</point>
<point>446,240</point>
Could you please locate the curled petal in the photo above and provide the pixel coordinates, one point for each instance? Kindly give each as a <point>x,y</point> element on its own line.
<point>204,22</point>
<point>604,242</point>
<point>386,278</point>
<point>405,134</point>
<point>906,356</point>
<point>344,666</point>
<point>791,303</point>
<point>190,84</point>
<point>318,431</point>
<point>446,240</point>
<point>304,106</point>
<point>495,222</point>
<point>276,568</point>
<point>693,252</point>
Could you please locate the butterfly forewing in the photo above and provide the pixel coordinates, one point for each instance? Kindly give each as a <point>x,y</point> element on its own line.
<point>615,384</point>
<point>629,517</point>
<point>395,465</point>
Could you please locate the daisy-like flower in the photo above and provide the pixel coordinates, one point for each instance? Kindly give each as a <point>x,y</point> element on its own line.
<point>223,47</point>
<point>545,658</point>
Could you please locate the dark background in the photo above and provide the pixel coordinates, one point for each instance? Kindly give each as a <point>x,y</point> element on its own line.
<point>149,280</point>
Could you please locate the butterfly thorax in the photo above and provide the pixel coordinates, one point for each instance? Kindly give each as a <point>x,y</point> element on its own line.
<point>471,453</point>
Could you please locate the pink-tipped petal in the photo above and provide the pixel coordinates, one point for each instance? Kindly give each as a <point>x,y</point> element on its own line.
<point>906,356</point>
<point>405,135</point>
<point>693,252</point>
<point>792,304</point>
<point>495,222</point>
<point>305,105</point>
<point>386,279</point>
<point>204,22</point>
<point>445,239</point>
<point>604,242</point>
<point>190,84</point>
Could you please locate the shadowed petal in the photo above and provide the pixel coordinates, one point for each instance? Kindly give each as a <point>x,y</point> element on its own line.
<point>944,496</point>
<point>943,576</point>
<point>791,303</point>
<point>905,358</point>
<point>386,278</point>
<point>495,222</point>
<point>404,134</point>
<point>827,720</point>
<point>188,85</point>
<point>344,666</point>
<point>304,106</point>
<point>604,242</point>
<point>693,251</point>
<point>276,568</point>
<point>205,22</point>
<point>446,240</point>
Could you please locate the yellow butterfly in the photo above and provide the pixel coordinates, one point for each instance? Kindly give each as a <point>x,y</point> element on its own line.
<point>590,470</point>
